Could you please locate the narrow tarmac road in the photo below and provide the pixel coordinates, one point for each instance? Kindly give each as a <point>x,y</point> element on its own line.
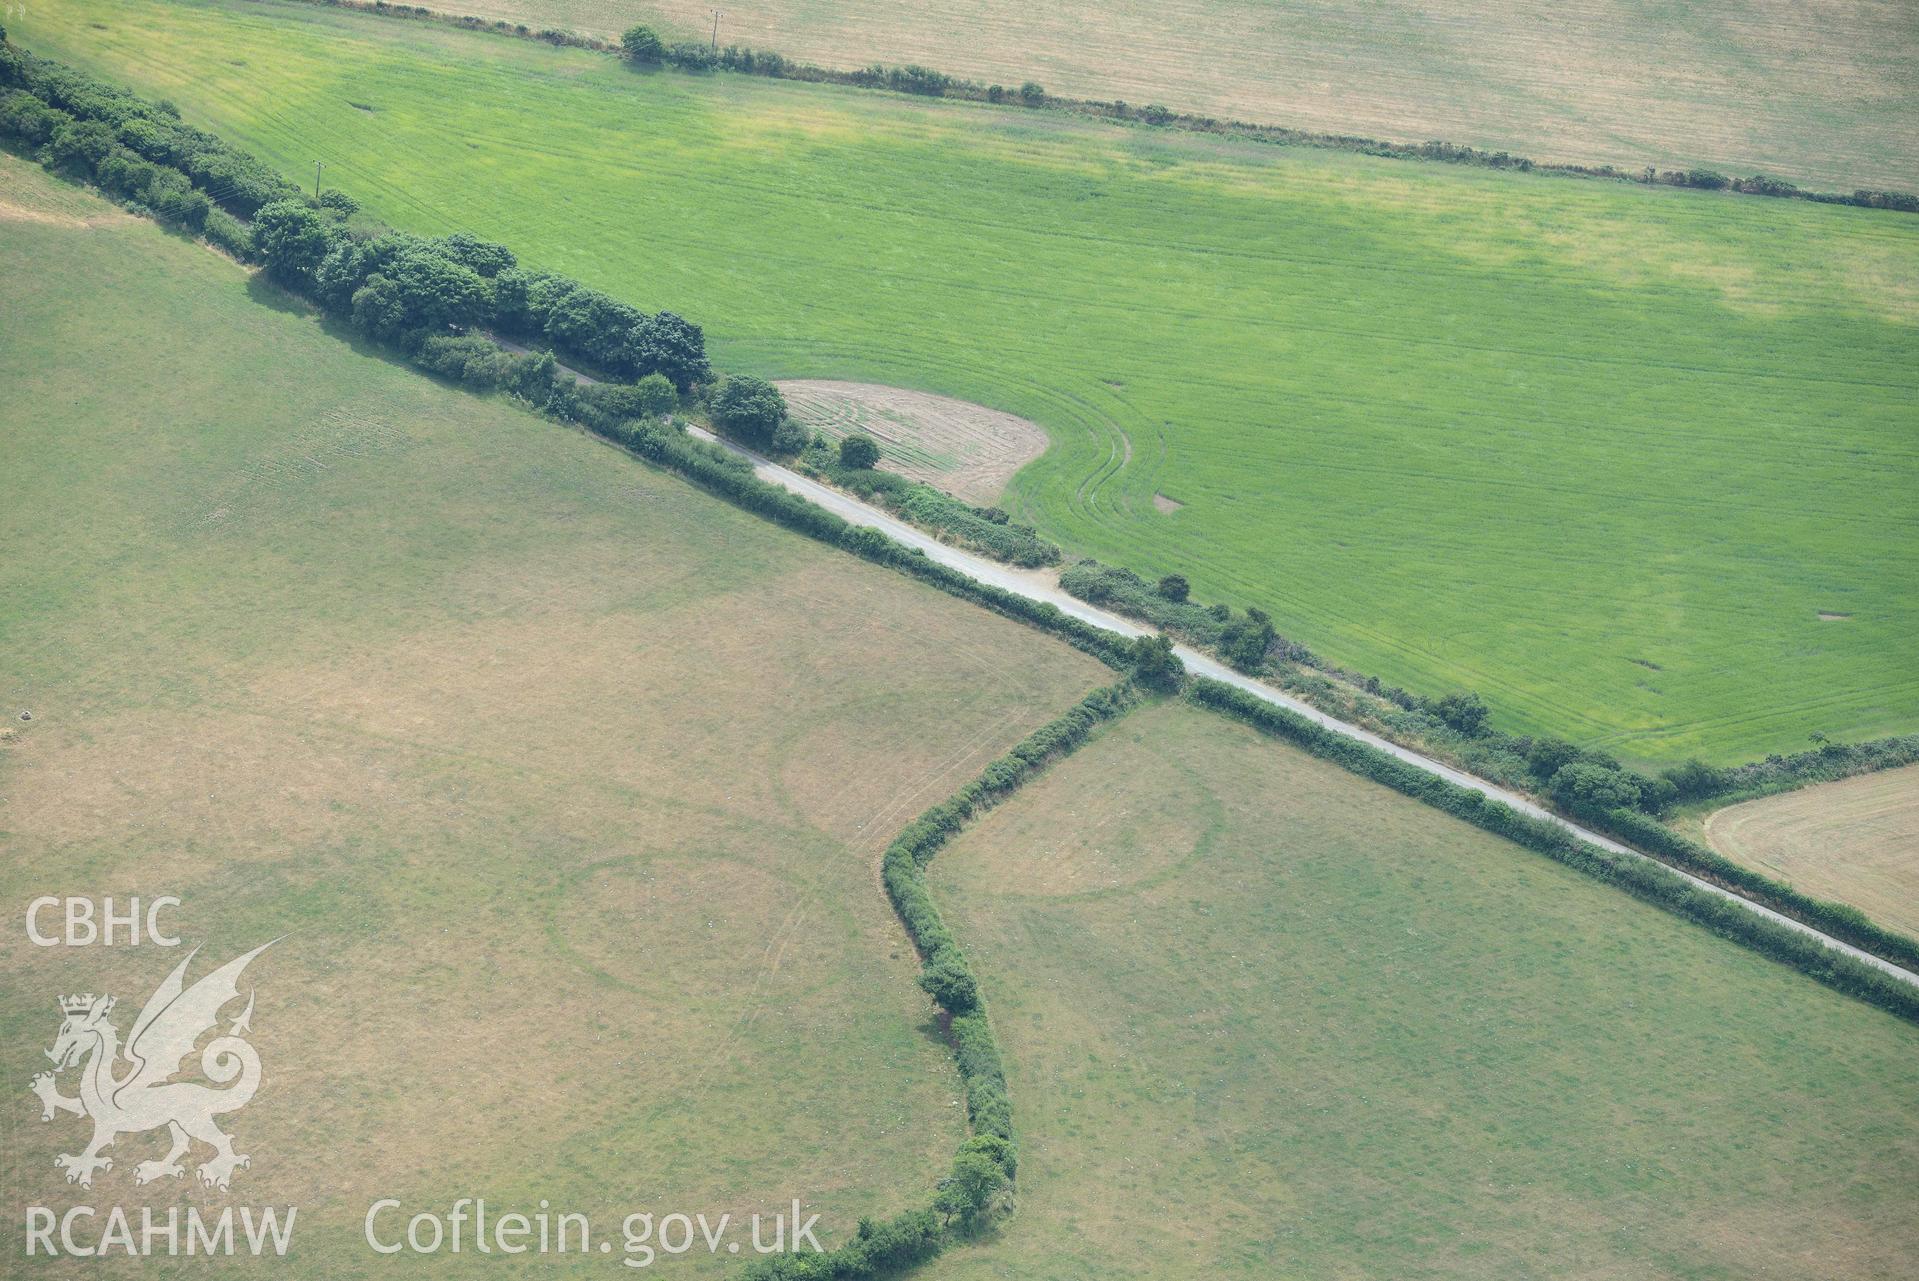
<point>1040,587</point>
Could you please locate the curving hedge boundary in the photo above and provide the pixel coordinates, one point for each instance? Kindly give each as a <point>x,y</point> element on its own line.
<point>1642,877</point>
<point>884,1249</point>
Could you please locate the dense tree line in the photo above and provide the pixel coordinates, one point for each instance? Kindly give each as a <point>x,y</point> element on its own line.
<point>433,297</point>
<point>402,290</point>
<point>87,123</point>
<point>138,152</point>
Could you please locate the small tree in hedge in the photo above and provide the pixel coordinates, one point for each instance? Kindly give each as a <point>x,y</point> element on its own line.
<point>1548,756</point>
<point>1464,712</point>
<point>1175,588</point>
<point>651,397</point>
<point>947,980</point>
<point>1031,94</point>
<point>291,240</point>
<point>655,396</point>
<point>339,202</point>
<point>750,408</point>
<point>1585,787</point>
<point>82,145</point>
<point>643,45</point>
<point>859,451</point>
<point>1695,779</point>
<point>1155,663</point>
<point>966,1193</point>
<point>1244,642</point>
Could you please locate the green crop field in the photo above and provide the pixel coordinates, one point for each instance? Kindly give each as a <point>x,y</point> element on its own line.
<point>1821,94</point>
<point>1265,1019</point>
<point>565,782</point>
<point>1600,452</point>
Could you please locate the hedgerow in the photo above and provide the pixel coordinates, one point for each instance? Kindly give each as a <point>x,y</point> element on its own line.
<point>416,293</point>
<point>1837,919</point>
<point>697,57</point>
<point>88,122</point>
<point>985,530</point>
<point>1589,784</point>
<point>1641,876</point>
<point>988,1161</point>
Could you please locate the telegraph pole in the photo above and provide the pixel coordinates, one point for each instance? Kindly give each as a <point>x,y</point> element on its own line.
<point>318,165</point>
<point>717,15</point>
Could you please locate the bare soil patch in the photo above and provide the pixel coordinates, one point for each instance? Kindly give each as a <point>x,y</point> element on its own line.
<point>1167,505</point>
<point>1827,616</point>
<point>1856,841</point>
<point>967,450</point>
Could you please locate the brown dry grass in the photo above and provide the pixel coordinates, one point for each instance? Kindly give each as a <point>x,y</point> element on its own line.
<point>967,450</point>
<point>1821,93</point>
<point>1856,841</point>
<point>564,781</point>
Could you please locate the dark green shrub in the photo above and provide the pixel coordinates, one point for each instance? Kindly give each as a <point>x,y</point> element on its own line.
<point>788,438</point>
<point>651,397</point>
<point>1466,713</point>
<point>1244,641</point>
<point>948,980</point>
<point>1584,787</point>
<point>1154,662</point>
<point>859,451</point>
<point>749,408</point>
<point>224,231</point>
<point>292,241</point>
<point>693,56</point>
<point>642,45</point>
<point>25,117</point>
<point>80,145</point>
<point>339,202</point>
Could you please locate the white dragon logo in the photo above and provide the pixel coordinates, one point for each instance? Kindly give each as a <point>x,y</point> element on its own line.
<point>144,1097</point>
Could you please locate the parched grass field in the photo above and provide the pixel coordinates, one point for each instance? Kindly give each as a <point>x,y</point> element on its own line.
<point>1823,94</point>
<point>1856,841</point>
<point>1600,452</point>
<point>1265,1019</point>
<point>566,782</point>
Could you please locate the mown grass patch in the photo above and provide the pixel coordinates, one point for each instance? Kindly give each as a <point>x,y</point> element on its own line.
<point>1856,841</point>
